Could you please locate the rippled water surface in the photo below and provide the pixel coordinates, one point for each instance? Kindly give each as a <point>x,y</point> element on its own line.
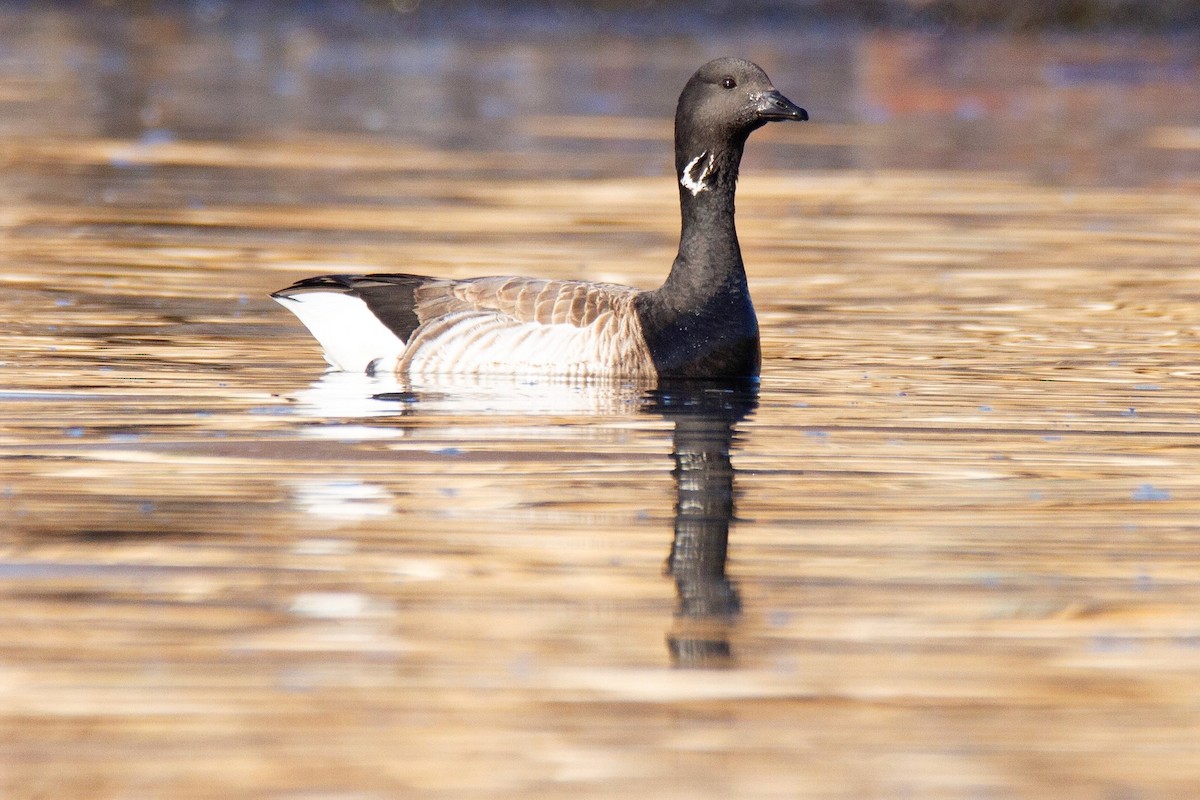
<point>947,548</point>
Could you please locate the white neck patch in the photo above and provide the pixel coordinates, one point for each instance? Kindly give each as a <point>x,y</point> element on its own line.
<point>695,183</point>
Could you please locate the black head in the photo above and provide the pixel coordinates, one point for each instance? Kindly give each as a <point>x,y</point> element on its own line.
<point>726,100</point>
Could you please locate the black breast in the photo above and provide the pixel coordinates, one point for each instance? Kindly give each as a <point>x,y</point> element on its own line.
<point>719,339</point>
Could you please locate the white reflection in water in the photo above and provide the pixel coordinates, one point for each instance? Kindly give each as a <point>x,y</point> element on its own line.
<point>356,395</point>
<point>352,433</point>
<point>323,547</point>
<point>337,605</point>
<point>343,499</point>
<point>349,395</point>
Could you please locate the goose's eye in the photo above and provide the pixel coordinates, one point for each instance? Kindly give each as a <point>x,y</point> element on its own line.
<point>729,83</point>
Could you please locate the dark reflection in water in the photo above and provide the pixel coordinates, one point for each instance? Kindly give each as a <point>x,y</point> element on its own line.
<point>705,415</point>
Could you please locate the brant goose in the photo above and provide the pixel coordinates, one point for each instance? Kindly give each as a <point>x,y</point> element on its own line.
<point>699,324</point>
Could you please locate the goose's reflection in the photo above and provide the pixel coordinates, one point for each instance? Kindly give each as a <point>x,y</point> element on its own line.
<point>345,395</point>
<point>705,414</point>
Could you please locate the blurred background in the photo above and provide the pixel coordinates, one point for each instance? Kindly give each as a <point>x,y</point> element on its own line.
<point>1079,90</point>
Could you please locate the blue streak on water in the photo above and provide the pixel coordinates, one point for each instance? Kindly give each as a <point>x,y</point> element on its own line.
<point>1149,492</point>
<point>276,411</point>
<point>44,396</point>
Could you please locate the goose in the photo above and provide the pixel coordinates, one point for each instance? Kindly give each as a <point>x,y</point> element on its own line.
<point>700,323</point>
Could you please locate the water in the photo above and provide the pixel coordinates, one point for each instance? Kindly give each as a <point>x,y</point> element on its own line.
<point>944,550</point>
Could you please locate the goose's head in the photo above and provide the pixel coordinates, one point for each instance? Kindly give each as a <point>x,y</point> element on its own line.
<point>723,102</point>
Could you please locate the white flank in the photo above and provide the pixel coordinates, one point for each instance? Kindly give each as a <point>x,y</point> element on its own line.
<point>696,185</point>
<point>481,343</point>
<point>350,334</point>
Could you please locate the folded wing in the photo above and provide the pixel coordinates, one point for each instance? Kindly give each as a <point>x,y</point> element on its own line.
<point>427,326</point>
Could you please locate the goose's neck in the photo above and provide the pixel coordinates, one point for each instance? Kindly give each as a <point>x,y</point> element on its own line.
<point>709,260</point>
<point>700,323</point>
